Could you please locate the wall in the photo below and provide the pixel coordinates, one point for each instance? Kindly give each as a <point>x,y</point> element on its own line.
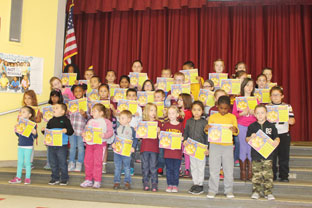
<point>42,36</point>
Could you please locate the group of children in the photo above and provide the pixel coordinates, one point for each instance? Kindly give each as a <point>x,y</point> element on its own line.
<point>186,115</point>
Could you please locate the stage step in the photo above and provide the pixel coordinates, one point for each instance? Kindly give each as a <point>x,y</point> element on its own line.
<point>301,150</point>
<point>141,197</point>
<point>299,189</point>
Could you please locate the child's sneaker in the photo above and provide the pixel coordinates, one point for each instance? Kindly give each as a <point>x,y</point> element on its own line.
<point>146,188</point>
<point>270,197</point>
<point>169,189</point>
<point>255,195</point>
<point>71,166</point>
<point>54,182</point>
<point>181,173</point>
<point>64,183</point>
<point>131,171</point>
<point>236,163</point>
<point>192,189</point>
<point>175,189</point>
<point>211,195</point>
<point>86,184</point>
<point>122,172</point>
<point>154,187</point>
<point>127,186</point>
<point>27,181</point>
<point>47,167</point>
<point>97,184</point>
<point>230,195</point>
<point>15,180</point>
<point>78,167</point>
<point>160,172</point>
<point>198,190</point>
<point>104,168</point>
<point>116,186</point>
<point>187,174</point>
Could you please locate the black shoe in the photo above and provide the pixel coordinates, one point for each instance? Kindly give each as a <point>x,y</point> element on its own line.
<point>198,190</point>
<point>284,180</point>
<point>54,182</point>
<point>64,183</point>
<point>192,189</point>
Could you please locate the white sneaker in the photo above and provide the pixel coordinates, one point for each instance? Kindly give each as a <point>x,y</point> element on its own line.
<point>270,197</point>
<point>255,195</point>
<point>211,195</point>
<point>230,196</point>
<point>104,168</point>
<point>71,166</point>
<point>78,167</point>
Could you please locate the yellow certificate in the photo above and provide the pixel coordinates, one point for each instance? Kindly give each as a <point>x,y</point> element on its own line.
<point>119,94</point>
<point>170,140</point>
<point>190,76</point>
<point>207,97</point>
<point>164,83</point>
<point>231,86</point>
<point>112,88</point>
<point>147,129</point>
<point>263,95</point>
<point>262,143</point>
<point>277,113</point>
<point>25,127</point>
<point>195,149</point>
<point>160,109</point>
<point>130,105</point>
<point>123,146</point>
<point>93,135</point>
<point>217,77</point>
<point>53,137</point>
<point>220,133</point>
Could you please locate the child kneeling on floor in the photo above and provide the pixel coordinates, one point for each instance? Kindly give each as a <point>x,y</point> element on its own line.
<point>262,177</point>
<point>124,130</point>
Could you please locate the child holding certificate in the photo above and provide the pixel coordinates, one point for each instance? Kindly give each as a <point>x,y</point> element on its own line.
<point>173,157</point>
<point>124,130</point>
<point>58,154</point>
<point>195,130</point>
<point>244,119</point>
<point>94,147</point>
<point>282,151</point>
<point>262,178</point>
<point>25,147</point>
<point>221,152</point>
<point>150,150</point>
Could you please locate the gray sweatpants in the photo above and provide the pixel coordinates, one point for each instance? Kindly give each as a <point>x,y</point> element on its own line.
<point>198,170</point>
<point>218,155</point>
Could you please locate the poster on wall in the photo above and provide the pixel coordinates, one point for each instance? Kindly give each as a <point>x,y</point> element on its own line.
<point>20,73</point>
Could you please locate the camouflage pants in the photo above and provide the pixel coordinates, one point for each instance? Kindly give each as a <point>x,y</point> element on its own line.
<point>262,178</point>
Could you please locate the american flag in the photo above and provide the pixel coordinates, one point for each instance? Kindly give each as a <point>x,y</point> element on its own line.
<point>70,40</point>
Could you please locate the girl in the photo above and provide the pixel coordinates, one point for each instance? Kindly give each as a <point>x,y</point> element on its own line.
<point>208,85</point>
<point>195,129</point>
<point>244,119</point>
<point>268,72</point>
<point>282,151</point>
<point>124,82</point>
<point>78,121</point>
<point>148,86</point>
<point>72,68</point>
<point>240,66</point>
<point>261,81</point>
<point>137,66</point>
<point>110,77</point>
<point>184,104</point>
<point>25,147</point>
<point>173,157</point>
<point>149,151</point>
<point>218,66</point>
<point>104,95</point>
<point>25,83</point>
<point>94,152</point>
<point>56,84</point>
<point>55,98</point>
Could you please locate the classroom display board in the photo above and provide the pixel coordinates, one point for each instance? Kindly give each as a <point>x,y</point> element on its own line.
<point>20,73</point>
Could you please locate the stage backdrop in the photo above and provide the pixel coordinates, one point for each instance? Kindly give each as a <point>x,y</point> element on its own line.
<point>164,34</point>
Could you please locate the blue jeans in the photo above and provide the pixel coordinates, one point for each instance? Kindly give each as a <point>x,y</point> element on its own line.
<point>236,149</point>
<point>172,171</point>
<point>120,161</point>
<point>58,162</point>
<point>74,142</point>
<point>24,156</point>
<point>161,159</point>
<point>149,162</point>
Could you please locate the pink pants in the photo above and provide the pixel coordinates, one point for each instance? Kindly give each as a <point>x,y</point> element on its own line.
<point>186,160</point>
<point>93,162</point>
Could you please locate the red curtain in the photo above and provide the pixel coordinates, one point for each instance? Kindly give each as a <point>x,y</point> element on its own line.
<point>277,36</point>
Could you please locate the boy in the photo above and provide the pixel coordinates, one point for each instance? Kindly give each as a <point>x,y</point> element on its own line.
<point>282,151</point>
<point>178,78</point>
<point>166,73</point>
<point>222,153</point>
<point>89,73</point>
<point>268,72</point>
<point>15,84</point>
<point>58,155</point>
<point>218,65</point>
<point>262,173</point>
<point>195,87</point>
<point>95,82</point>
<point>126,131</point>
